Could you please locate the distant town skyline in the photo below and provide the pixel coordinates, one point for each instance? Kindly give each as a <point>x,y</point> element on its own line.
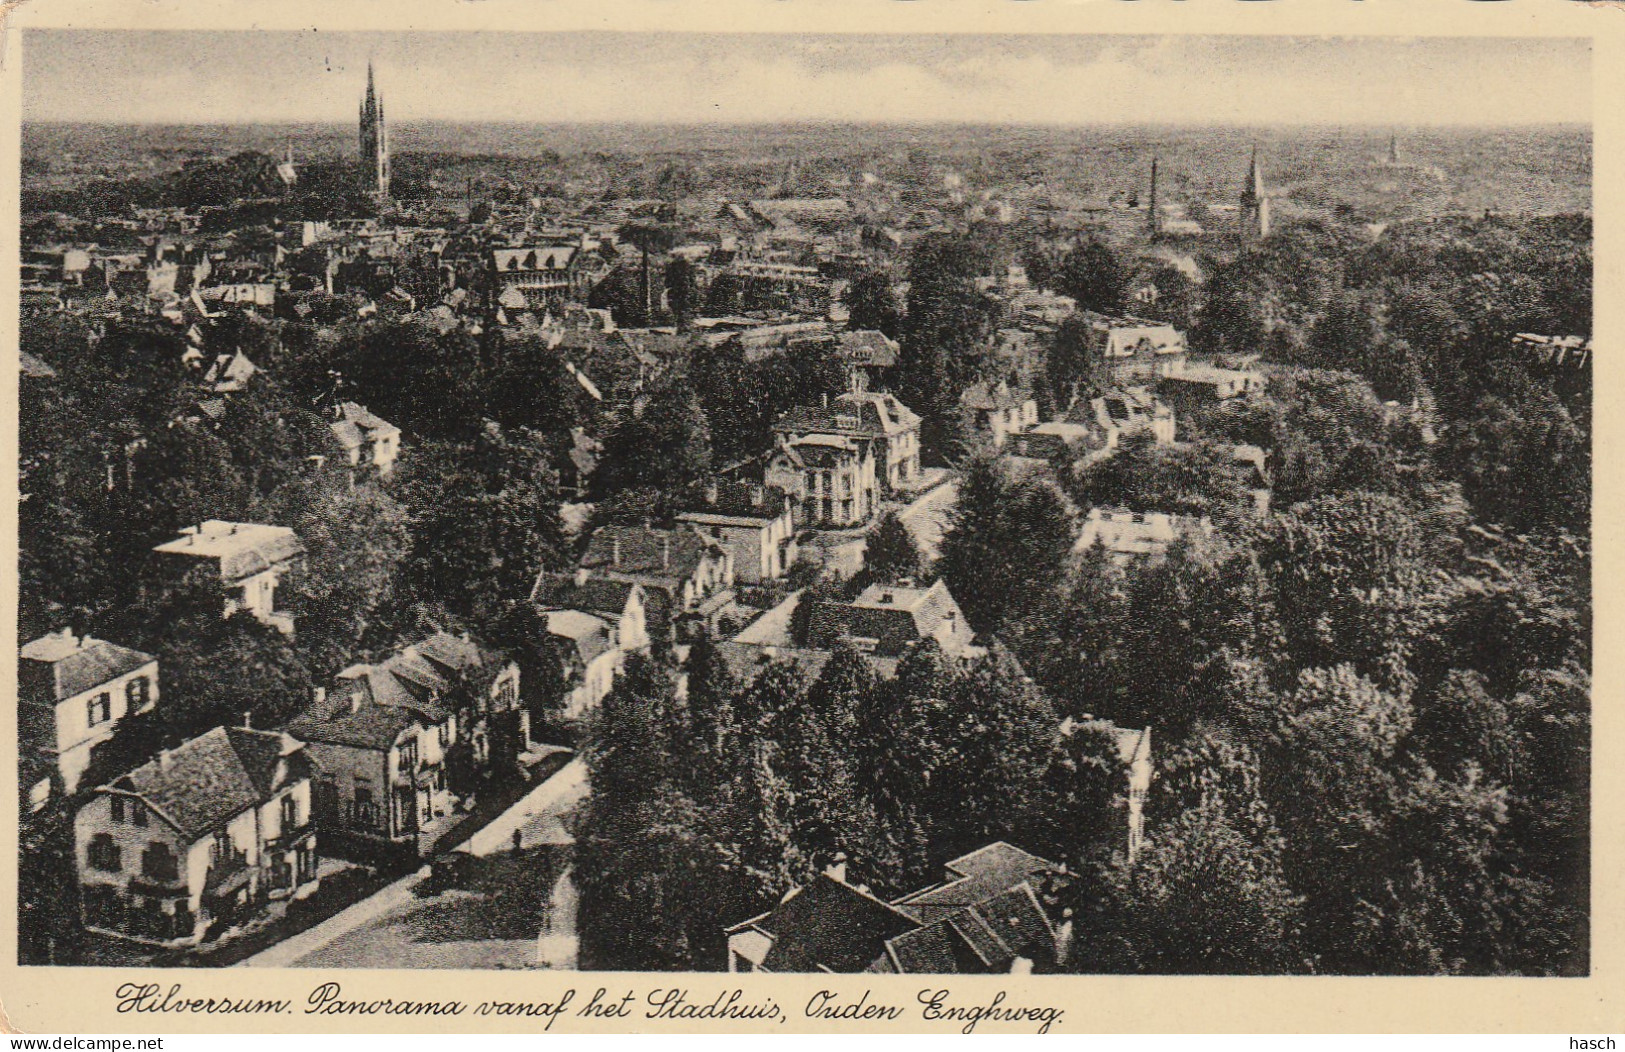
<point>677,78</point>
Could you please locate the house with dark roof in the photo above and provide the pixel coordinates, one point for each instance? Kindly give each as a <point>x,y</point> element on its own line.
<point>381,733</point>
<point>687,578</point>
<point>874,419</point>
<point>753,522</point>
<point>886,620</point>
<point>545,275</point>
<point>869,357</point>
<point>71,692</point>
<point>595,622</point>
<point>1128,411</point>
<point>831,479</point>
<point>252,559</point>
<point>199,837</point>
<point>997,411</point>
<point>1199,384</point>
<point>986,916</point>
<point>368,440</point>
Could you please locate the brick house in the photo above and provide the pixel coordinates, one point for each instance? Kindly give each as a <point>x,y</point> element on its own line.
<point>71,693</point>
<point>203,833</point>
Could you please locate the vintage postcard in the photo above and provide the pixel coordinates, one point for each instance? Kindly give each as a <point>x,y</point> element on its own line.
<point>748,517</point>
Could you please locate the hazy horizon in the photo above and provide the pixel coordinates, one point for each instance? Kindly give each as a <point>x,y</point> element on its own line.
<point>690,79</point>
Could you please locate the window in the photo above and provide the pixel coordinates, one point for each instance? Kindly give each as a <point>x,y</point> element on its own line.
<point>158,862</point>
<point>290,813</point>
<point>104,854</point>
<point>408,757</point>
<point>136,693</point>
<point>100,709</point>
<point>445,734</point>
<point>222,848</point>
<point>116,805</point>
<point>138,813</point>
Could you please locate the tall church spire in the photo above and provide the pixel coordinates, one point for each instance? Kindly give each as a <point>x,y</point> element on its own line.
<point>1152,220</point>
<point>1255,205</point>
<point>374,141</point>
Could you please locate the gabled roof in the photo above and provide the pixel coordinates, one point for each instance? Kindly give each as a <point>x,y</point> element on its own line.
<point>993,396</point>
<point>205,782</point>
<point>603,596</point>
<point>362,726</point>
<point>974,878</point>
<point>642,552</point>
<point>355,424</point>
<point>869,347</point>
<point>533,257</point>
<point>72,666</point>
<point>404,689</point>
<point>733,499</point>
<point>979,920</point>
<point>829,924</point>
<point>858,414</point>
<point>587,634</point>
<point>895,616</point>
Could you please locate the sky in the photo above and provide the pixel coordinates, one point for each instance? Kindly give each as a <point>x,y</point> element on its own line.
<point>278,76</point>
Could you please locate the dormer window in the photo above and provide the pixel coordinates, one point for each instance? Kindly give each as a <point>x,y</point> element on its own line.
<point>137,692</point>
<point>99,709</point>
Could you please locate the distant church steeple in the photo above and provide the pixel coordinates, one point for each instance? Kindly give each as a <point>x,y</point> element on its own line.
<point>1255,206</point>
<point>1153,221</point>
<point>374,142</point>
<point>1393,149</point>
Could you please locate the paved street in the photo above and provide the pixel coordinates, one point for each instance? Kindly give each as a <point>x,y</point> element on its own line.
<point>518,912</point>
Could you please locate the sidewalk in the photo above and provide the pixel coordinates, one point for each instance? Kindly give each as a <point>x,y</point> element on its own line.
<point>529,815</point>
<point>284,954</point>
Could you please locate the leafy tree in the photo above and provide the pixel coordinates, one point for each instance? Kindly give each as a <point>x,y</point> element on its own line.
<point>665,444</point>
<point>682,289</point>
<point>1006,544</point>
<point>891,554</point>
<point>1199,899</point>
<point>943,341</point>
<point>1092,274</point>
<point>1197,479</point>
<point>872,304</point>
<point>483,520</point>
<point>355,538</point>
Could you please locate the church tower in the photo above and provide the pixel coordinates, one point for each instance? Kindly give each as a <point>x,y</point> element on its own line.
<point>374,143</point>
<point>1255,207</point>
<point>1153,222</point>
<point>1393,149</point>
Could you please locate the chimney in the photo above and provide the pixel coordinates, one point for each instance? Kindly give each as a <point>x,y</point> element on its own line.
<point>711,492</point>
<point>1063,938</point>
<point>615,550</point>
<point>836,870</point>
<point>248,720</point>
<point>164,760</point>
<point>757,496</point>
<point>826,399</point>
<point>582,573</point>
<point>318,696</point>
<point>665,552</point>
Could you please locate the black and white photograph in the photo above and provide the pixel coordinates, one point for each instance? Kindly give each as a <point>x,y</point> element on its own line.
<point>917,504</point>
